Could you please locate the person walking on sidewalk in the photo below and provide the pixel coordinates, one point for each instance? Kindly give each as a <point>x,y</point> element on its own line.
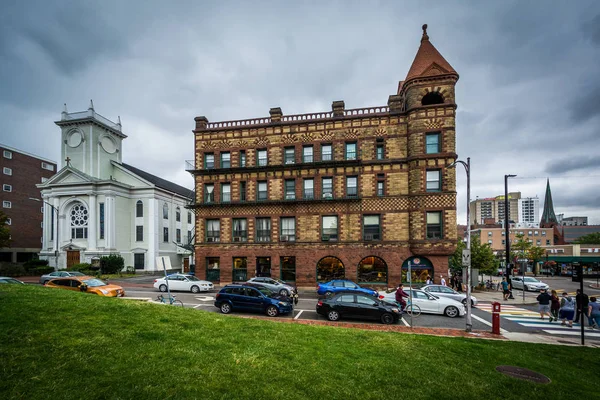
<point>544,304</point>
<point>554,306</point>
<point>442,280</point>
<point>594,313</point>
<point>505,288</point>
<point>567,309</point>
<point>582,301</point>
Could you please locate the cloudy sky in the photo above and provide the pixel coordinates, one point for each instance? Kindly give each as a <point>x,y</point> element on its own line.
<point>528,95</point>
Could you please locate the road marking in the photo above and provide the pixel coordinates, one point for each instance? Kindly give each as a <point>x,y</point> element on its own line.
<point>483,321</point>
<point>202,305</point>
<point>404,322</point>
<point>204,298</point>
<point>300,313</point>
<point>572,333</point>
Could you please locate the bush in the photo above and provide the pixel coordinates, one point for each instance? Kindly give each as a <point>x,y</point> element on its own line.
<point>43,270</point>
<point>10,269</point>
<point>31,265</point>
<point>130,270</point>
<point>112,264</point>
<point>81,267</point>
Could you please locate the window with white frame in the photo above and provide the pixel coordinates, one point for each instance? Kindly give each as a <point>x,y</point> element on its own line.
<point>288,229</point>
<point>7,154</point>
<point>6,204</point>
<point>47,166</point>
<point>7,171</point>
<point>8,221</point>
<point>165,211</point>
<point>434,180</point>
<point>7,188</point>
<point>79,221</point>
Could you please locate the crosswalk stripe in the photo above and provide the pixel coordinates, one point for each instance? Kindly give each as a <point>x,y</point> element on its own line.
<point>573,333</point>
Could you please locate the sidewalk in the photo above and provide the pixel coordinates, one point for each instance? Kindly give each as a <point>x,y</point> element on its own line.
<point>497,296</point>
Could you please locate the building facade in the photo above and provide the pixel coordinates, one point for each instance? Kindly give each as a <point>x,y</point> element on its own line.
<point>97,205</point>
<point>496,236</point>
<point>346,193</point>
<point>529,212</point>
<point>21,172</point>
<point>493,207</point>
<point>573,221</point>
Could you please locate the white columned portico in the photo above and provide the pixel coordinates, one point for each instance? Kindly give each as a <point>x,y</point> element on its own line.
<point>110,222</point>
<point>152,234</point>
<point>92,222</point>
<point>55,242</point>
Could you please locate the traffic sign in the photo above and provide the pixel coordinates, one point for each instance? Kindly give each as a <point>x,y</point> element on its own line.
<point>466,257</point>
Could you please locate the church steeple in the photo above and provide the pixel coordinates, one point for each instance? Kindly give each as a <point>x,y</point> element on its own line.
<point>548,217</point>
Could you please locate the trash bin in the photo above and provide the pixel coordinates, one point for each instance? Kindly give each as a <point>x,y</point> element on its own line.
<point>192,269</point>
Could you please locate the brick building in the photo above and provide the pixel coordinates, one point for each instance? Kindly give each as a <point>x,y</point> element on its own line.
<point>354,193</point>
<point>21,171</point>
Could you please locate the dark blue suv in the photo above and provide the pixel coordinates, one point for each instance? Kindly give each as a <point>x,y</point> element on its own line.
<point>248,298</point>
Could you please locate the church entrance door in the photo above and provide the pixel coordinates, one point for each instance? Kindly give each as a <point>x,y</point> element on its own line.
<point>72,258</point>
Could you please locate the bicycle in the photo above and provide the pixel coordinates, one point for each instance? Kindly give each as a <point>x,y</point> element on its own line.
<point>412,309</point>
<point>169,300</point>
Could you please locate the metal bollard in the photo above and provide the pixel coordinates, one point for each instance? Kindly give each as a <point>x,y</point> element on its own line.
<point>496,318</point>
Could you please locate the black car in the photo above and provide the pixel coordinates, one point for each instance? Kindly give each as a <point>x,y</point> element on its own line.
<point>359,306</point>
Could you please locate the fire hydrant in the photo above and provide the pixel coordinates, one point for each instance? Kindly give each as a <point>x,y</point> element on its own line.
<point>496,318</point>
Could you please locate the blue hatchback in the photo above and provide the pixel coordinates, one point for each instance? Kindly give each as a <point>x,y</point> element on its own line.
<point>247,298</point>
<point>342,285</point>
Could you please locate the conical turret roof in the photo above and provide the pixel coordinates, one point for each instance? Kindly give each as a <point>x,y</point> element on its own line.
<point>428,61</point>
<point>548,217</point>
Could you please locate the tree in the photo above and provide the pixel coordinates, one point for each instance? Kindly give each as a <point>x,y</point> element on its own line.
<point>482,257</point>
<point>520,249</point>
<point>535,254</point>
<point>592,238</point>
<point>4,231</point>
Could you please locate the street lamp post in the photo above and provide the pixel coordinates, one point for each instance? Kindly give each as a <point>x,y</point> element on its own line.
<point>54,209</point>
<point>467,166</point>
<point>506,231</point>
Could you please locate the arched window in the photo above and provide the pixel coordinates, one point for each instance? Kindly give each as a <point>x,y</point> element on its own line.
<point>178,214</point>
<point>420,268</point>
<point>329,268</point>
<point>79,221</point>
<point>165,211</point>
<point>372,270</point>
<point>432,98</point>
<point>139,209</point>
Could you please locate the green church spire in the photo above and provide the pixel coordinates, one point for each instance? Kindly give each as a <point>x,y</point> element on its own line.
<point>548,217</point>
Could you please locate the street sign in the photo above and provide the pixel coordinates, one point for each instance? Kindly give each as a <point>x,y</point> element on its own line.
<point>466,257</point>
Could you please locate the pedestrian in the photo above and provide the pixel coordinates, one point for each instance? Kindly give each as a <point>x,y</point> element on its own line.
<point>442,280</point>
<point>544,304</point>
<point>505,288</point>
<point>582,301</point>
<point>594,313</point>
<point>428,281</point>
<point>458,284</point>
<point>567,309</point>
<point>453,282</point>
<point>400,295</point>
<point>554,306</point>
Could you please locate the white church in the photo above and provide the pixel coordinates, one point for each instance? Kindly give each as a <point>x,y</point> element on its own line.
<point>97,205</point>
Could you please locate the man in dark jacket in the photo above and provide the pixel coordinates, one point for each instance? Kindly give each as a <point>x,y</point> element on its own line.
<point>544,303</point>
<point>582,300</point>
<point>400,295</point>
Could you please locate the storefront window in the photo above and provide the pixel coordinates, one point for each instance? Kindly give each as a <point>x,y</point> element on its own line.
<point>372,270</point>
<point>213,269</point>
<point>263,266</point>
<point>329,268</point>
<point>240,269</point>
<point>288,269</point>
<point>421,267</point>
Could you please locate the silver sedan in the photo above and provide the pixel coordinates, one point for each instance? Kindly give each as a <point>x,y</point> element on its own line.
<point>275,285</point>
<point>59,274</point>
<point>445,291</point>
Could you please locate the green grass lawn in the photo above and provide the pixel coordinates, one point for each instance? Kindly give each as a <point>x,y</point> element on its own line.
<point>60,345</point>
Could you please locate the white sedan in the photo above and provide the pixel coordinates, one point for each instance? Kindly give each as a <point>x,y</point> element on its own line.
<point>428,303</point>
<point>445,291</point>
<point>530,283</point>
<point>188,283</point>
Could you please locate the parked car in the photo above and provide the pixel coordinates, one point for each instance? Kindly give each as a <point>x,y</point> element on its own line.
<point>247,298</point>
<point>275,285</point>
<point>59,274</point>
<point>342,285</point>
<point>292,298</point>
<point>6,279</point>
<point>188,283</point>
<point>518,282</point>
<point>445,291</point>
<point>87,284</point>
<point>359,306</point>
<point>428,303</point>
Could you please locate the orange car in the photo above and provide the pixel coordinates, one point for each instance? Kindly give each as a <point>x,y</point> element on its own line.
<point>87,284</point>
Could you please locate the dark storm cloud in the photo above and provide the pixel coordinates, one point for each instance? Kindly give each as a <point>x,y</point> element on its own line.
<point>586,103</point>
<point>592,30</point>
<point>572,163</point>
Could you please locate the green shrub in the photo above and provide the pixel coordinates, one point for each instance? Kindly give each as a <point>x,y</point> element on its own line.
<point>81,267</point>
<point>112,264</point>
<point>10,269</point>
<point>31,265</point>
<point>43,270</point>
